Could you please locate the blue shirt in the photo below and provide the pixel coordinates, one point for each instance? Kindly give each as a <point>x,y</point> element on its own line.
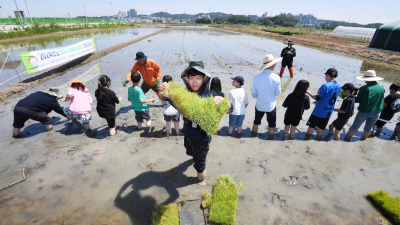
<point>266,86</point>
<point>326,96</point>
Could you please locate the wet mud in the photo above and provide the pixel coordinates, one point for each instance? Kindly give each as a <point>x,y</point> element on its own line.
<point>72,178</point>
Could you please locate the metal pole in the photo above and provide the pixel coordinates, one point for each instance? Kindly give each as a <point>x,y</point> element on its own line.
<point>18,19</point>
<point>84,10</point>
<point>16,71</point>
<point>28,12</point>
<point>112,10</point>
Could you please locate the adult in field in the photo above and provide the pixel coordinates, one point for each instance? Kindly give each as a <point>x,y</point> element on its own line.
<point>288,53</point>
<point>150,72</point>
<point>371,98</point>
<point>36,106</point>
<point>266,86</point>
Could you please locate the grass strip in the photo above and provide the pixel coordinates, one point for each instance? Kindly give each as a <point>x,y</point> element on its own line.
<point>166,214</point>
<point>202,111</point>
<point>390,205</point>
<point>224,201</point>
<point>285,32</point>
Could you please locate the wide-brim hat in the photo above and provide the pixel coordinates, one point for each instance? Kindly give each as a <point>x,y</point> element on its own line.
<point>269,60</point>
<point>140,56</point>
<point>77,82</point>
<point>54,92</point>
<point>369,75</point>
<point>197,65</point>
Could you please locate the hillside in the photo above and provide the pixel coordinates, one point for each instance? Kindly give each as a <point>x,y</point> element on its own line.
<point>190,16</point>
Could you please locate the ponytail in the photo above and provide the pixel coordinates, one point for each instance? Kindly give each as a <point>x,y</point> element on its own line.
<point>102,82</point>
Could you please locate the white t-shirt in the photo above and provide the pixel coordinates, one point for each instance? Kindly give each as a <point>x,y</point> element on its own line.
<point>168,110</point>
<point>239,99</point>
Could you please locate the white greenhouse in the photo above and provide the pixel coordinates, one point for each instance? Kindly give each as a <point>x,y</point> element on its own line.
<point>354,33</point>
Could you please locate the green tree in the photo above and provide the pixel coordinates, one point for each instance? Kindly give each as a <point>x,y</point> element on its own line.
<point>238,19</point>
<point>203,20</point>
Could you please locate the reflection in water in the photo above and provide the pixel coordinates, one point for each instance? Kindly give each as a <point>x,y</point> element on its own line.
<point>391,73</point>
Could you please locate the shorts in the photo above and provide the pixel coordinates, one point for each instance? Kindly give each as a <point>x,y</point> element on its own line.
<point>315,121</point>
<point>271,118</point>
<point>288,64</point>
<point>339,123</point>
<point>198,150</point>
<point>289,121</point>
<point>21,115</point>
<point>380,123</point>
<point>174,118</point>
<point>111,122</point>
<point>145,87</point>
<point>85,118</point>
<point>140,116</point>
<point>236,120</point>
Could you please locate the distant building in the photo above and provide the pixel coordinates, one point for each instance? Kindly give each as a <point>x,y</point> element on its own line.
<point>120,15</point>
<point>265,15</point>
<point>253,17</point>
<point>309,19</point>
<point>205,16</point>
<point>132,13</point>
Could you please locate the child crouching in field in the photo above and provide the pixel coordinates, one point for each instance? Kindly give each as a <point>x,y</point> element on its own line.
<point>240,101</point>
<point>170,113</point>
<point>106,100</point>
<point>296,102</point>
<point>80,106</point>
<point>346,110</point>
<point>139,102</point>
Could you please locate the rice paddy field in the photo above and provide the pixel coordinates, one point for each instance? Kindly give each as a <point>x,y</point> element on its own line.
<point>74,179</point>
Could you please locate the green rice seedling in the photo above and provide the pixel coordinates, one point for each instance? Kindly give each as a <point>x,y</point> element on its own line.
<point>224,201</point>
<point>206,202</point>
<point>202,111</point>
<point>166,214</point>
<point>391,205</point>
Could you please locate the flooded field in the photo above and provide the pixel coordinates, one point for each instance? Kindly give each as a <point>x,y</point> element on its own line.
<point>73,179</point>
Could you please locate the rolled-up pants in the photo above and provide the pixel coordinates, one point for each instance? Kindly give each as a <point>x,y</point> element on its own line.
<point>198,150</point>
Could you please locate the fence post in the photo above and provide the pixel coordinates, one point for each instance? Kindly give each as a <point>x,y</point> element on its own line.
<point>16,71</point>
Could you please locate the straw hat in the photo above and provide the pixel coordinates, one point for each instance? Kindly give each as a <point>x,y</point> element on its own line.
<point>54,92</point>
<point>77,82</point>
<point>370,75</point>
<point>269,60</point>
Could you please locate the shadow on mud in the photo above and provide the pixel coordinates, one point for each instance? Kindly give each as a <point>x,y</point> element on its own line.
<point>38,128</point>
<point>139,208</point>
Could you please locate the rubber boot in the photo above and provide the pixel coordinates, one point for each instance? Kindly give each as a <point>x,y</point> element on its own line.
<point>282,70</point>
<point>291,71</point>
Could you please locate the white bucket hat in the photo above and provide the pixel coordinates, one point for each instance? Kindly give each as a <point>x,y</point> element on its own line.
<point>269,60</point>
<point>370,75</point>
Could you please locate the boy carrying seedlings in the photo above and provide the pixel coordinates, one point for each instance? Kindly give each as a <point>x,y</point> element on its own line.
<point>139,102</point>
<point>389,108</point>
<point>346,110</point>
<point>170,113</point>
<point>240,101</point>
<point>326,99</point>
<point>196,141</point>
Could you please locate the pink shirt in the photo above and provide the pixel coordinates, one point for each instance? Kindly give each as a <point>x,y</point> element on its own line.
<point>81,101</point>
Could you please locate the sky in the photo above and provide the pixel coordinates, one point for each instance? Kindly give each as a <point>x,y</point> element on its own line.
<point>358,11</point>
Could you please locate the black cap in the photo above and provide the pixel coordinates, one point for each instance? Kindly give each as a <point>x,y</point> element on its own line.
<point>140,56</point>
<point>332,72</point>
<point>239,79</point>
<point>348,86</point>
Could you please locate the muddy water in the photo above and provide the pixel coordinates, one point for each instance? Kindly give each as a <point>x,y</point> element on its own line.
<point>75,179</point>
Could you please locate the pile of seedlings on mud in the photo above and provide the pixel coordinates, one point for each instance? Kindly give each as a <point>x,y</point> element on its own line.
<point>202,111</point>
<point>390,205</point>
<point>224,201</point>
<point>166,214</point>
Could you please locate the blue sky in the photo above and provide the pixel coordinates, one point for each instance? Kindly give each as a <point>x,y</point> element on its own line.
<point>359,11</point>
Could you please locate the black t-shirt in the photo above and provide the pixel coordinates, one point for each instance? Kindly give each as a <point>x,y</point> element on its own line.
<point>295,106</point>
<point>387,112</point>
<point>348,107</point>
<point>41,102</point>
<point>106,106</point>
<point>288,57</point>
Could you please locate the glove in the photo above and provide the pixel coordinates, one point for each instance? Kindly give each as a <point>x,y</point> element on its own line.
<point>124,82</point>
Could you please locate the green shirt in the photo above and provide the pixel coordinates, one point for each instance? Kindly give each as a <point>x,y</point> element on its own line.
<point>371,98</point>
<point>136,95</point>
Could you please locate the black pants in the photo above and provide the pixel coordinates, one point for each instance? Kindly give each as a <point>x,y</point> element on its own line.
<point>289,64</point>
<point>21,115</point>
<point>199,151</point>
<point>271,118</point>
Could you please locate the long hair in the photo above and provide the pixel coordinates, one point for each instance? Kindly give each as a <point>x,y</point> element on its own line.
<point>78,86</point>
<point>301,88</point>
<point>102,82</point>
<point>216,84</point>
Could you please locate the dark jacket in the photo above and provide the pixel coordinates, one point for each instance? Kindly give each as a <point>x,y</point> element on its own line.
<point>287,57</point>
<point>41,102</point>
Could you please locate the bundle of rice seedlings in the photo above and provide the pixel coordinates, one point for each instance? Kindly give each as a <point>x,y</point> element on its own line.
<point>202,111</point>
<point>166,214</point>
<point>224,201</point>
<point>391,205</point>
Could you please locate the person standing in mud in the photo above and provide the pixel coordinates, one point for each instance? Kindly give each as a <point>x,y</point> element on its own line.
<point>288,53</point>
<point>196,141</point>
<point>150,72</point>
<point>36,106</point>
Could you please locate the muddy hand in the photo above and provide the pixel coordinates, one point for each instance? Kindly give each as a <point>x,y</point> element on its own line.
<point>218,99</point>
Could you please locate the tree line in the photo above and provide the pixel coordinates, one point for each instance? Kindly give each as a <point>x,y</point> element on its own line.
<point>240,19</point>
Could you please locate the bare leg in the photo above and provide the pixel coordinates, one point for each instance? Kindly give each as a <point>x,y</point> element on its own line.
<point>167,128</point>
<point>378,132</point>
<point>271,132</point>
<point>16,131</point>
<point>112,131</point>
<point>331,127</point>
<point>178,131</point>
<point>86,126</point>
<point>337,135</point>
<point>255,129</point>
<point>148,124</point>
<point>349,135</point>
<point>366,135</point>
<point>320,133</point>
<point>139,125</point>
<point>230,130</point>
<point>285,132</point>
<point>239,130</point>
<point>201,176</point>
<point>49,127</point>
<point>395,134</point>
<point>310,131</point>
<point>292,132</point>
